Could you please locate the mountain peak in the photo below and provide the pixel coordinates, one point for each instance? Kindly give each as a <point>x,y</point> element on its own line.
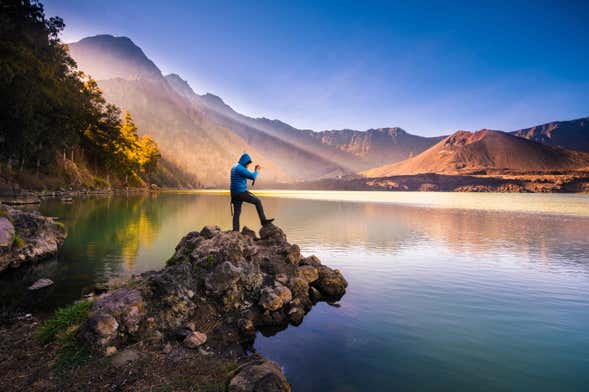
<point>573,134</point>
<point>466,152</point>
<point>180,85</point>
<point>108,57</point>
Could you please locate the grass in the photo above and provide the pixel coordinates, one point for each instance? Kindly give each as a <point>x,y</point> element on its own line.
<point>61,329</point>
<point>3,213</point>
<point>60,224</point>
<point>62,321</point>
<point>18,242</point>
<point>172,260</point>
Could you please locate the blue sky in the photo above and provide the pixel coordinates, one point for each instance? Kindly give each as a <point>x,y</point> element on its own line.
<point>429,67</point>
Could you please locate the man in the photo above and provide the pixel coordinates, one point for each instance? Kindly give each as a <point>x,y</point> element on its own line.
<point>239,193</point>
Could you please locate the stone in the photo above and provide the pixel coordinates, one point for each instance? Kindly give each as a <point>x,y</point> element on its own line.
<point>273,298</point>
<point>195,339</point>
<point>311,260</point>
<point>41,283</point>
<point>124,304</point>
<point>272,233</point>
<point>228,283</point>
<point>293,254</point>
<point>99,332</point>
<point>314,294</point>
<point>6,233</point>
<point>259,376</point>
<point>124,357</point>
<point>183,333</point>
<point>331,283</point>
<point>248,232</point>
<point>210,231</point>
<point>299,287</point>
<point>110,350</point>
<point>307,272</point>
<point>39,237</point>
<point>282,278</point>
<point>295,315</point>
<point>246,327</point>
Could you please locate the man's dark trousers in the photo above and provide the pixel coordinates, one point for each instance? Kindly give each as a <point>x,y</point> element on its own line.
<point>237,199</point>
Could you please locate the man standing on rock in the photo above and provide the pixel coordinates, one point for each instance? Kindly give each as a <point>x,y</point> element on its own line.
<point>239,193</point>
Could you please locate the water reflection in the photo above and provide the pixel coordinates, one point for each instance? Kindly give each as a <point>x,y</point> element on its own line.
<point>117,236</point>
<point>459,298</point>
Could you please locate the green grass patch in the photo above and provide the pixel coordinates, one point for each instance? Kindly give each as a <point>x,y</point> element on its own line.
<point>60,224</point>
<point>3,213</point>
<point>18,242</point>
<point>64,321</point>
<point>171,261</point>
<point>61,329</point>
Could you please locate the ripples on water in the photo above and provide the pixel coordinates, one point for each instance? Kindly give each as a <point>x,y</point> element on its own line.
<point>439,298</point>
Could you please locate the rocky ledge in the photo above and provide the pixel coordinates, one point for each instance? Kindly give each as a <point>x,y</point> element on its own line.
<point>26,237</point>
<point>217,290</point>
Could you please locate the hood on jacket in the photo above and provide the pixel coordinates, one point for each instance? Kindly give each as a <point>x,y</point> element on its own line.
<point>245,159</point>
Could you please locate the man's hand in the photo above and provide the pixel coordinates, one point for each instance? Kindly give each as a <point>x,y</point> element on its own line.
<point>258,168</point>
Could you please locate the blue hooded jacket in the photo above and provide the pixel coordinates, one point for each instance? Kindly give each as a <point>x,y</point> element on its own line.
<point>240,175</point>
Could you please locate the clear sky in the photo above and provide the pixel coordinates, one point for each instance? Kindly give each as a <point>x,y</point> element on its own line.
<point>429,67</point>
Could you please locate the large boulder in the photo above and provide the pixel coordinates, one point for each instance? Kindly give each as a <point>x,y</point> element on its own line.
<point>27,237</point>
<point>259,376</point>
<point>331,283</point>
<point>216,292</point>
<point>114,318</point>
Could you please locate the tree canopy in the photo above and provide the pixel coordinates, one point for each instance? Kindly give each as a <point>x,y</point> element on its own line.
<point>48,106</point>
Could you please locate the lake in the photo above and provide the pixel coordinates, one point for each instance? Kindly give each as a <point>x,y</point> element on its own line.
<point>447,291</point>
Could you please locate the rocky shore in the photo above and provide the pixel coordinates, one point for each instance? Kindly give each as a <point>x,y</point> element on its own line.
<point>27,237</point>
<point>202,311</point>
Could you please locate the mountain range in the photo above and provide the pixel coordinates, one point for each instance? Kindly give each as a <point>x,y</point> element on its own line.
<point>478,152</point>
<point>204,136</point>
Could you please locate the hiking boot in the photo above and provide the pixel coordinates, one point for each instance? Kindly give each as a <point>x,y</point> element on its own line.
<point>267,221</point>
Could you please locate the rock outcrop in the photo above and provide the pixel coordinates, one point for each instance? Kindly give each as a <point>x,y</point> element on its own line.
<point>217,290</point>
<point>27,237</point>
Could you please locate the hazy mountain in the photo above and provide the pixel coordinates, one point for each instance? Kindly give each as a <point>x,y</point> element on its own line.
<point>573,134</point>
<point>295,160</point>
<point>204,135</point>
<point>378,146</point>
<point>185,135</point>
<point>108,57</point>
<point>467,152</point>
<point>304,153</point>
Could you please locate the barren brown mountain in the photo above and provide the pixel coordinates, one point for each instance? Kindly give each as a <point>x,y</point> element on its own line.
<point>469,152</point>
<point>573,134</point>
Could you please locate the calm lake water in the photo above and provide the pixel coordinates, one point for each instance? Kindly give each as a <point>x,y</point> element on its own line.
<point>491,296</point>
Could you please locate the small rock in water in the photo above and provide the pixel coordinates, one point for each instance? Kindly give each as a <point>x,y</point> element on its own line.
<point>195,339</point>
<point>41,283</point>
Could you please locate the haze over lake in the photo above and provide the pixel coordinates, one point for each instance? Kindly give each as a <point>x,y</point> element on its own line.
<point>490,296</point>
